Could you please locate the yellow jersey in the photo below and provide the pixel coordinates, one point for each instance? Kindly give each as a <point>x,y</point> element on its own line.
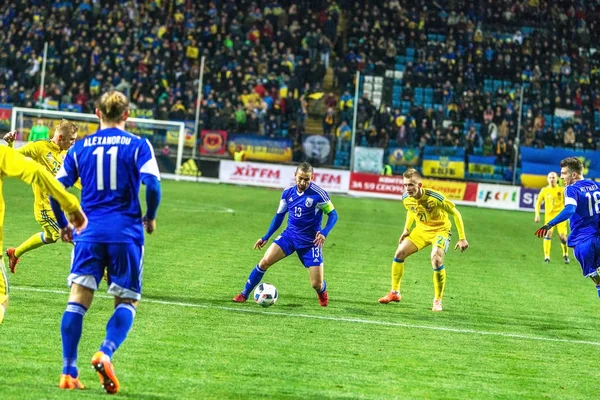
<point>50,156</point>
<point>431,212</point>
<point>554,200</point>
<point>13,164</point>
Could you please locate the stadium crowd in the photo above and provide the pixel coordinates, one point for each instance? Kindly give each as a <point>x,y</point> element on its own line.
<point>264,58</point>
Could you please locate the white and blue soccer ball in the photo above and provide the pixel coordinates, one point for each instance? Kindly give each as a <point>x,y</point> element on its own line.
<point>265,294</point>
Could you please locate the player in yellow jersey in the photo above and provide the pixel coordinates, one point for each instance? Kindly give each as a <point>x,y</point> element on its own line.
<point>553,198</point>
<point>13,164</point>
<point>429,210</point>
<point>50,154</point>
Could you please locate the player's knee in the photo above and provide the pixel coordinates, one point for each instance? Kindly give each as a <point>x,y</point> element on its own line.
<point>401,254</point>
<point>120,300</point>
<point>265,263</point>
<point>49,239</point>
<point>437,261</point>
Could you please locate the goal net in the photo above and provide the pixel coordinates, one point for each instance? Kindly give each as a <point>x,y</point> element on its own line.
<point>167,137</point>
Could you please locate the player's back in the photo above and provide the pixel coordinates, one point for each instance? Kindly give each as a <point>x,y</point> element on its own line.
<point>110,163</point>
<point>585,196</point>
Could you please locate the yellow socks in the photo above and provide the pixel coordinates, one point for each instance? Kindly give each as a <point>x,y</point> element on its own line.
<point>397,273</point>
<point>439,282</point>
<point>2,311</point>
<point>565,249</point>
<point>33,242</point>
<point>547,246</point>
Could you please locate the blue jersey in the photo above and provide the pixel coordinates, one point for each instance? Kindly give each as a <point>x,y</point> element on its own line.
<point>111,164</point>
<point>305,212</point>
<point>585,196</point>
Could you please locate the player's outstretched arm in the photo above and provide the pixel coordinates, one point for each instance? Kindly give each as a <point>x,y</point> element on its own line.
<point>564,215</point>
<point>10,137</point>
<point>538,206</point>
<point>153,196</point>
<point>410,220</point>
<point>275,225</point>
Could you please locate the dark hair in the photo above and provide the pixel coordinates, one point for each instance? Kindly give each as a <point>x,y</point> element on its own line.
<point>112,106</point>
<point>411,172</point>
<point>574,164</point>
<point>305,167</point>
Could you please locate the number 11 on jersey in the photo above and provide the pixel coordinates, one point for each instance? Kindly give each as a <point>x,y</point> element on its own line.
<point>99,153</point>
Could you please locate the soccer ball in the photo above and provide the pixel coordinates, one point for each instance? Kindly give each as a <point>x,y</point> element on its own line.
<point>265,294</point>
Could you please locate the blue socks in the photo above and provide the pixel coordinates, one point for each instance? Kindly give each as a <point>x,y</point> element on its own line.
<point>117,328</point>
<point>323,288</point>
<point>254,279</point>
<point>70,329</point>
<point>598,289</point>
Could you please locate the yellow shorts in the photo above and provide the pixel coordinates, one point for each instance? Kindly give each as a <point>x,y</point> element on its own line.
<point>561,228</point>
<point>47,220</point>
<point>422,238</point>
<point>3,282</point>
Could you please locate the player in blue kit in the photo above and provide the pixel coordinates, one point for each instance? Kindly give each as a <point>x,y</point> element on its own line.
<point>305,203</point>
<point>582,207</point>
<point>111,164</point>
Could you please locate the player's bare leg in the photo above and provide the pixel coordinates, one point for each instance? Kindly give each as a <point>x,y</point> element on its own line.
<point>439,276</point>
<point>80,300</point>
<point>404,250</point>
<point>565,248</point>
<point>273,255</point>
<point>547,243</point>
<point>318,283</point>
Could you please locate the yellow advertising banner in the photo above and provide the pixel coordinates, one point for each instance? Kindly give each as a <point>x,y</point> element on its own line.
<point>189,140</point>
<point>534,181</point>
<point>444,168</point>
<point>450,189</point>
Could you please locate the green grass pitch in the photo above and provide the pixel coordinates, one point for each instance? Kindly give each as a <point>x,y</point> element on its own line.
<point>512,327</point>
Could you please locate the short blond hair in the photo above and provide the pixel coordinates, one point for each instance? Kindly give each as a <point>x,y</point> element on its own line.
<point>67,128</point>
<point>411,173</point>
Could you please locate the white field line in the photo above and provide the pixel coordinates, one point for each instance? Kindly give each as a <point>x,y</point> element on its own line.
<point>255,310</point>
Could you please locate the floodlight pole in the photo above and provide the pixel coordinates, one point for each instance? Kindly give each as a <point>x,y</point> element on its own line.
<point>517,143</point>
<point>352,145</point>
<point>41,96</point>
<point>200,78</point>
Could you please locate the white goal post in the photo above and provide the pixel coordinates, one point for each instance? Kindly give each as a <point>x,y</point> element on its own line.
<point>17,114</point>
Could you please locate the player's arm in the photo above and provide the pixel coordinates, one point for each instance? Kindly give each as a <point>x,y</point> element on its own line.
<point>538,205</point>
<point>13,164</point>
<point>332,217</point>
<point>30,150</point>
<point>410,220</point>
<point>150,176</point>
<point>451,209</point>
<point>67,176</point>
<point>567,212</point>
<point>275,223</point>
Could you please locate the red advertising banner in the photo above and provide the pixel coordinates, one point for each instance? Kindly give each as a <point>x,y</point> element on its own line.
<point>213,142</point>
<point>377,185</point>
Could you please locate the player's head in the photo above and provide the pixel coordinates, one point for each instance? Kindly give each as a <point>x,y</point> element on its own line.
<point>303,175</point>
<point>113,108</point>
<point>552,179</point>
<point>65,134</point>
<point>571,170</point>
<point>412,182</point>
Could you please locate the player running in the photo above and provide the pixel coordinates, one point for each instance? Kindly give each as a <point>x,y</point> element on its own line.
<point>111,164</point>
<point>553,196</point>
<point>13,164</point>
<point>50,154</point>
<point>305,202</point>
<point>430,210</point>
<point>582,208</point>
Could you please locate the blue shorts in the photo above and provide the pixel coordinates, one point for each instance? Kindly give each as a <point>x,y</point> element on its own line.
<point>588,255</point>
<point>310,256</point>
<point>123,262</point>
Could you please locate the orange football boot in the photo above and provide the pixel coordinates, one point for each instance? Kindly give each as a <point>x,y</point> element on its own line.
<point>103,366</point>
<point>391,296</point>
